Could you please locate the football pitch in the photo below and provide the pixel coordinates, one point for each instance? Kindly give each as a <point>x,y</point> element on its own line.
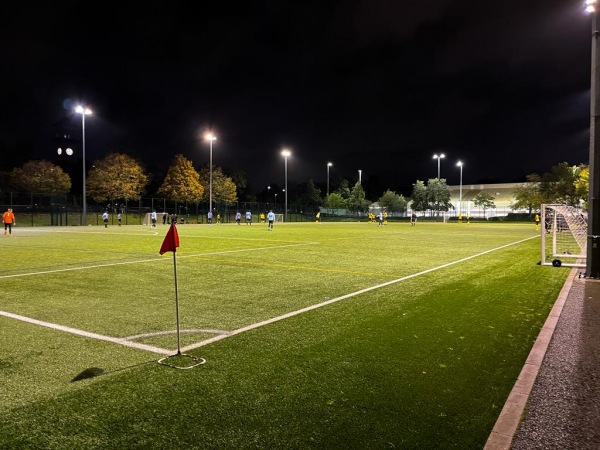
<point>332,335</point>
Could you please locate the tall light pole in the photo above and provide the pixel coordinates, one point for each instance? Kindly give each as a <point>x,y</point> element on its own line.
<point>84,111</point>
<point>285,153</point>
<point>210,138</point>
<point>328,166</point>
<point>268,193</point>
<point>360,176</point>
<point>593,243</point>
<point>438,157</point>
<point>460,164</point>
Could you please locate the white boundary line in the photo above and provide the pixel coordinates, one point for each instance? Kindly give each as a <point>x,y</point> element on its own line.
<point>157,259</point>
<point>226,334</point>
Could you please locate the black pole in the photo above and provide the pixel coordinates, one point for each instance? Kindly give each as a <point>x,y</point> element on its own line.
<point>593,244</point>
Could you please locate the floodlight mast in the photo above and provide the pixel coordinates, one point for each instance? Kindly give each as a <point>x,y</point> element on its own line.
<point>84,111</point>
<point>593,241</point>
<point>285,153</point>
<point>438,157</point>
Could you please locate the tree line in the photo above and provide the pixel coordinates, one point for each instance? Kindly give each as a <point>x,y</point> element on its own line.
<point>120,177</point>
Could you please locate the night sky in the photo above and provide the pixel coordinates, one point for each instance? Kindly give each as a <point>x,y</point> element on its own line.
<point>374,85</point>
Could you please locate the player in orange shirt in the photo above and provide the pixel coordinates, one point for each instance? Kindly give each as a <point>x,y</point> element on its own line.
<point>9,220</point>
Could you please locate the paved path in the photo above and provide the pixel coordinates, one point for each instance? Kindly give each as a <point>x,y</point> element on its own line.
<point>555,403</point>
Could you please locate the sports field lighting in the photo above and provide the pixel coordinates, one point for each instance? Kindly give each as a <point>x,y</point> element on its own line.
<point>438,157</point>
<point>593,239</point>
<point>460,164</point>
<point>360,176</point>
<point>84,111</point>
<point>210,138</point>
<point>286,154</point>
<point>328,166</point>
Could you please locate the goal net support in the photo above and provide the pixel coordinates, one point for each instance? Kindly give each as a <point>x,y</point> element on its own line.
<point>148,218</point>
<point>564,236</point>
<point>278,217</point>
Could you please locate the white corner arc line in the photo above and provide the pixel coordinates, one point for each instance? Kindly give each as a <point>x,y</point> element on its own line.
<point>343,297</point>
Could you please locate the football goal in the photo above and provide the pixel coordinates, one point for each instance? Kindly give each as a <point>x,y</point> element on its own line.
<point>278,217</point>
<point>564,236</point>
<point>148,218</point>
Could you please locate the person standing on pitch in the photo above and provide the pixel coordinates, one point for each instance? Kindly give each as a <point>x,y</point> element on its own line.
<point>271,220</point>
<point>248,218</point>
<point>152,217</point>
<point>105,219</point>
<point>119,218</point>
<point>238,217</point>
<point>413,219</point>
<point>380,219</point>
<point>9,220</point>
<point>209,217</point>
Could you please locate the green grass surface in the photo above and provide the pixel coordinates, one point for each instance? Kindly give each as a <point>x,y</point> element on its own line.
<point>423,362</point>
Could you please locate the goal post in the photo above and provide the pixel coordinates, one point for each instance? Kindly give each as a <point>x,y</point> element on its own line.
<point>278,217</point>
<point>564,236</point>
<point>147,220</point>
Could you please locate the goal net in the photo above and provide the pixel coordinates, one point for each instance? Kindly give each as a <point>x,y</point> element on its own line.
<point>278,217</point>
<point>564,236</point>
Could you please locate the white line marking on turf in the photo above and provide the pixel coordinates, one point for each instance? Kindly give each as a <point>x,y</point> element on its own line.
<point>157,259</point>
<point>220,337</point>
<point>343,297</point>
<point>87,334</point>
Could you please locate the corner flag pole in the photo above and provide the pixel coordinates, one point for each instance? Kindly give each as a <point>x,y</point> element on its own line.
<point>176,301</point>
<point>170,244</point>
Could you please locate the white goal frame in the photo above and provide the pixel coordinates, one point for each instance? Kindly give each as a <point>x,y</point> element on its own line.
<point>148,218</point>
<point>564,236</point>
<point>278,217</point>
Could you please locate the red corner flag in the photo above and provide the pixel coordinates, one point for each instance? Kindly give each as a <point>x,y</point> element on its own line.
<point>171,241</point>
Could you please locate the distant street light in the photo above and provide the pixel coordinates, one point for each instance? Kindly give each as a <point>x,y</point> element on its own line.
<point>84,111</point>
<point>285,153</point>
<point>438,157</point>
<point>360,176</point>
<point>460,164</point>
<point>210,138</point>
<point>593,243</point>
<point>328,166</point>
<point>275,199</point>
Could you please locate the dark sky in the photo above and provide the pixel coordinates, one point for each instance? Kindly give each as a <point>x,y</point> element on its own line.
<point>377,85</point>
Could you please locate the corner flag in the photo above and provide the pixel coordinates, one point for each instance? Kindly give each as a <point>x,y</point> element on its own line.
<point>171,241</point>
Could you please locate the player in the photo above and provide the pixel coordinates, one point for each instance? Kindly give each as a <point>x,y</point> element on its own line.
<point>537,221</point>
<point>105,219</point>
<point>238,217</point>
<point>9,220</point>
<point>271,219</point>
<point>119,218</point>
<point>318,216</point>
<point>248,218</point>
<point>380,219</point>
<point>152,217</point>
<point>413,219</point>
<point>209,218</point>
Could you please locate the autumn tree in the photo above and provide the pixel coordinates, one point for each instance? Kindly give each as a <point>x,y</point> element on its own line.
<point>117,176</point>
<point>223,187</point>
<point>182,182</point>
<point>41,177</point>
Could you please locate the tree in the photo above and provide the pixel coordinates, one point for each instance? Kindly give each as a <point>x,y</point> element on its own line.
<point>438,195</point>
<point>485,201</point>
<point>335,201</point>
<point>223,187</point>
<point>528,196</point>
<point>392,201</point>
<point>311,196</point>
<point>343,188</point>
<point>182,182</point>
<point>582,185</point>
<point>41,177</point>
<point>419,197</point>
<point>357,201</point>
<point>117,176</point>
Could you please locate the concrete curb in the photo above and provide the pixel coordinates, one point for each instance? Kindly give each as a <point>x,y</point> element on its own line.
<point>508,421</point>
